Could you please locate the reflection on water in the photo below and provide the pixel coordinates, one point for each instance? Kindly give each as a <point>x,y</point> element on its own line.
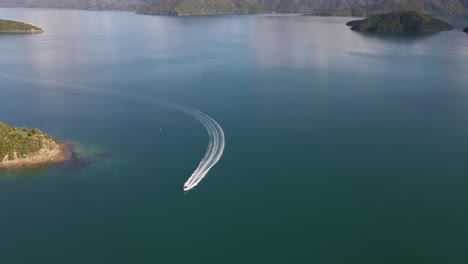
<point>78,161</point>
<point>405,37</point>
<point>24,174</point>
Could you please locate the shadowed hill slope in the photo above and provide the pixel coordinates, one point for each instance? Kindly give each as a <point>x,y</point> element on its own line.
<point>400,21</point>
<point>439,7</point>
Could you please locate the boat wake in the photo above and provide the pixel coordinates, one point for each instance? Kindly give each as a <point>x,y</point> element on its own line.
<point>216,140</point>
<point>213,153</point>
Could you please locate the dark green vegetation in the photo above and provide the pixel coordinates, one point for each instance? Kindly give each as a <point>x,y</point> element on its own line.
<point>439,7</point>
<point>77,4</point>
<point>353,23</point>
<point>400,21</point>
<point>201,7</point>
<point>194,6</point>
<point>8,26</point>
<point>23,141</point>
<point>204,7</point>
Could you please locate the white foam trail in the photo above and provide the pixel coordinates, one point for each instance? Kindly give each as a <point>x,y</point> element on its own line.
<point>214,151</point>
<point>216,140</point>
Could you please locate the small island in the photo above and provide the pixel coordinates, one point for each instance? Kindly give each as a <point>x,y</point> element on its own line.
<point>8,26</point>
<point>466,30</point>
<point>23,147</point>
<point>400,21</point>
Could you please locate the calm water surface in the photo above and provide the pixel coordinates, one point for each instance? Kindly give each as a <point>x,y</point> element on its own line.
<point>341,147</point>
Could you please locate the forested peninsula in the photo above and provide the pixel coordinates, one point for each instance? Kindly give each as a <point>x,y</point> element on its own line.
<point>400,21</point>
<point>23,147</point>
<point>8,26</point>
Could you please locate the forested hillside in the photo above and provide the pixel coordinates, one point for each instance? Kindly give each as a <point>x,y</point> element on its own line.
<point>78,4</point>
<point>438,7</point>
<point>204,7</point>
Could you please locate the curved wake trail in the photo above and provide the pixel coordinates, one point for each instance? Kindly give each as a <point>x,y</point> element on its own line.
<point>214,150</point>
<point>215,132</point>
<point>216,141</point>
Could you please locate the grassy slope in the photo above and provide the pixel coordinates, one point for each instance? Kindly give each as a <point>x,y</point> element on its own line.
<point>400,21</point>
<point>22,140</point>
<point>12,26</point>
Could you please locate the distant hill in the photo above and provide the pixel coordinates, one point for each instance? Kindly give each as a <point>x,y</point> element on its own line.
<point>78,4</point>
<point>436,7</point>
<point>303,6</point>
<point>8,26</point>
<point>196,7</point>
<point>400,21</point>
<point>205,7</point>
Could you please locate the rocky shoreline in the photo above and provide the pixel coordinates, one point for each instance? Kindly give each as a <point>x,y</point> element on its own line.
<point>14,27</point>
<point>32,31</point>
<point>51,152</point>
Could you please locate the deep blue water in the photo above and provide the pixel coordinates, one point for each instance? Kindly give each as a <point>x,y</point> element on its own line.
<point>341,147</point>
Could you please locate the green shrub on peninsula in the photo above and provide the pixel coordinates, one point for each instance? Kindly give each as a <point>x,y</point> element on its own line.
<point>8,26</point>
<point>23,141</point>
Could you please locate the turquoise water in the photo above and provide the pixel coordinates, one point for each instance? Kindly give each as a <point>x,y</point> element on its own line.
<point>341,147</point>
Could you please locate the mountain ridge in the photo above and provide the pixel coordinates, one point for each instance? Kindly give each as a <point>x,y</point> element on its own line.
<point>435,7</point>
<point>123,5</point>
<point>9,26</point>
<point>206,7</point>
